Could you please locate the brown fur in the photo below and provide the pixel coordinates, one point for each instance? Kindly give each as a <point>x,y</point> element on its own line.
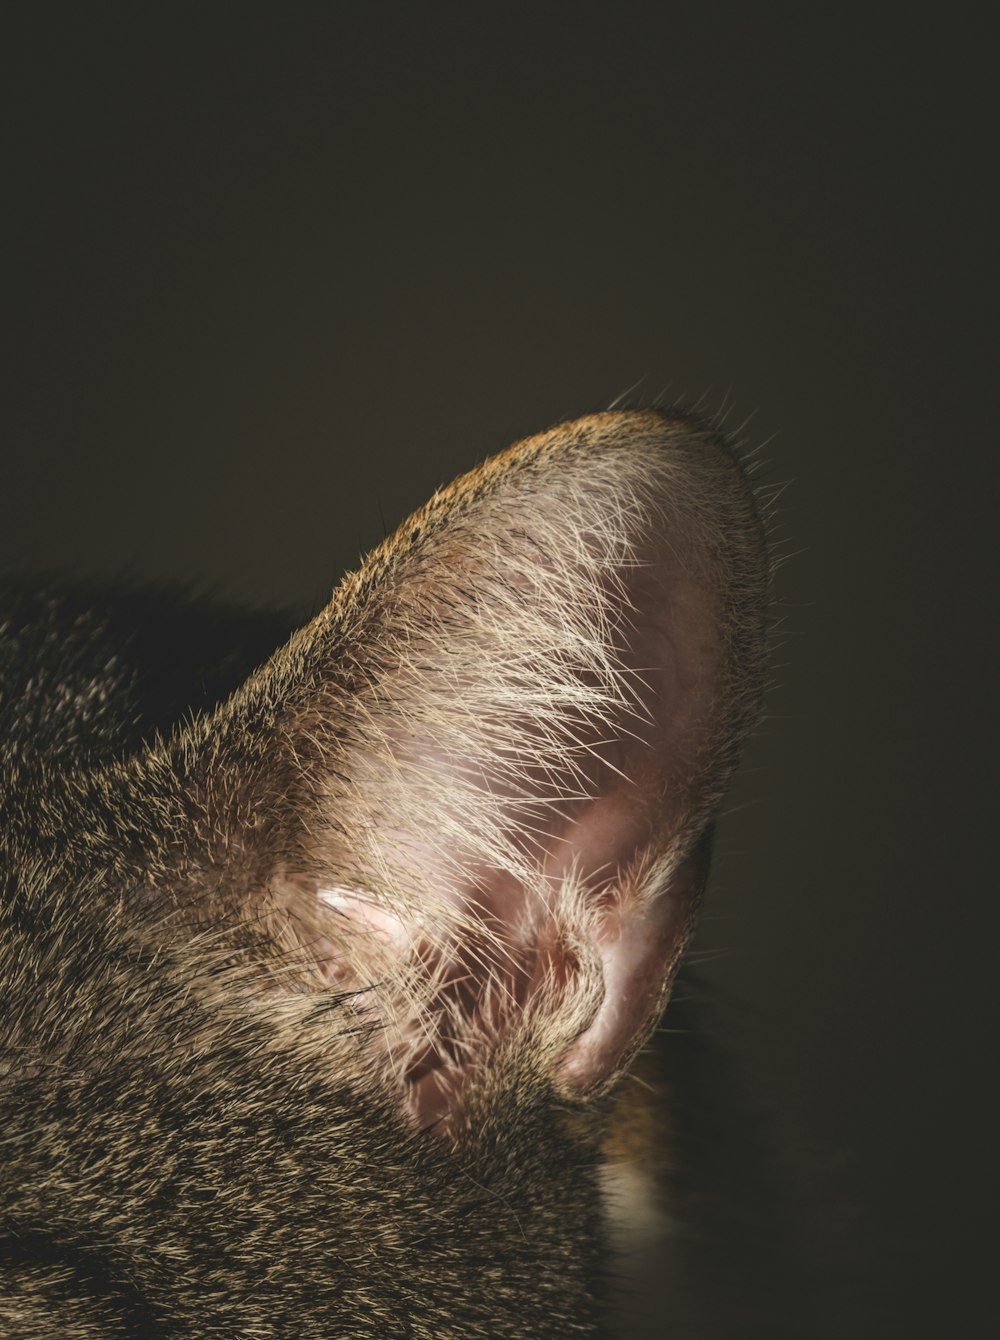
<point>234,1107</point>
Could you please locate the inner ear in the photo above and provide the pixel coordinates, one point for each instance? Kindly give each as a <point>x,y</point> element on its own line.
<point>582,898</point>
<point>494,756</point>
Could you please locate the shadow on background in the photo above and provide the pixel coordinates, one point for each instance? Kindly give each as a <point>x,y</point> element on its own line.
<point>272,275</point>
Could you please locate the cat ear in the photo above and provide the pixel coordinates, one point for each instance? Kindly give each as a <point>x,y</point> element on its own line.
<point>476,788</point>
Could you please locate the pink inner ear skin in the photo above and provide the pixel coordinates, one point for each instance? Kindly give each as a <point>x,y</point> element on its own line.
<point>627,839</point>
<point>619,845</point>
<point>639,945</point>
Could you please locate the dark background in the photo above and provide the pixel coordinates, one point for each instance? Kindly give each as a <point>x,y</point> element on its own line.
<point>273,274</point>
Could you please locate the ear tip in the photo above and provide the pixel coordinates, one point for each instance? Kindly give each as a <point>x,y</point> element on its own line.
<point>673,431</point>
<point>695,470</point>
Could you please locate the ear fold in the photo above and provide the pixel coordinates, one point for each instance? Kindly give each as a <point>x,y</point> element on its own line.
<point>477,786</point>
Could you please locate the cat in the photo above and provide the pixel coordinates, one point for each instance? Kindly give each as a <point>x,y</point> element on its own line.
<point>321,968</point>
